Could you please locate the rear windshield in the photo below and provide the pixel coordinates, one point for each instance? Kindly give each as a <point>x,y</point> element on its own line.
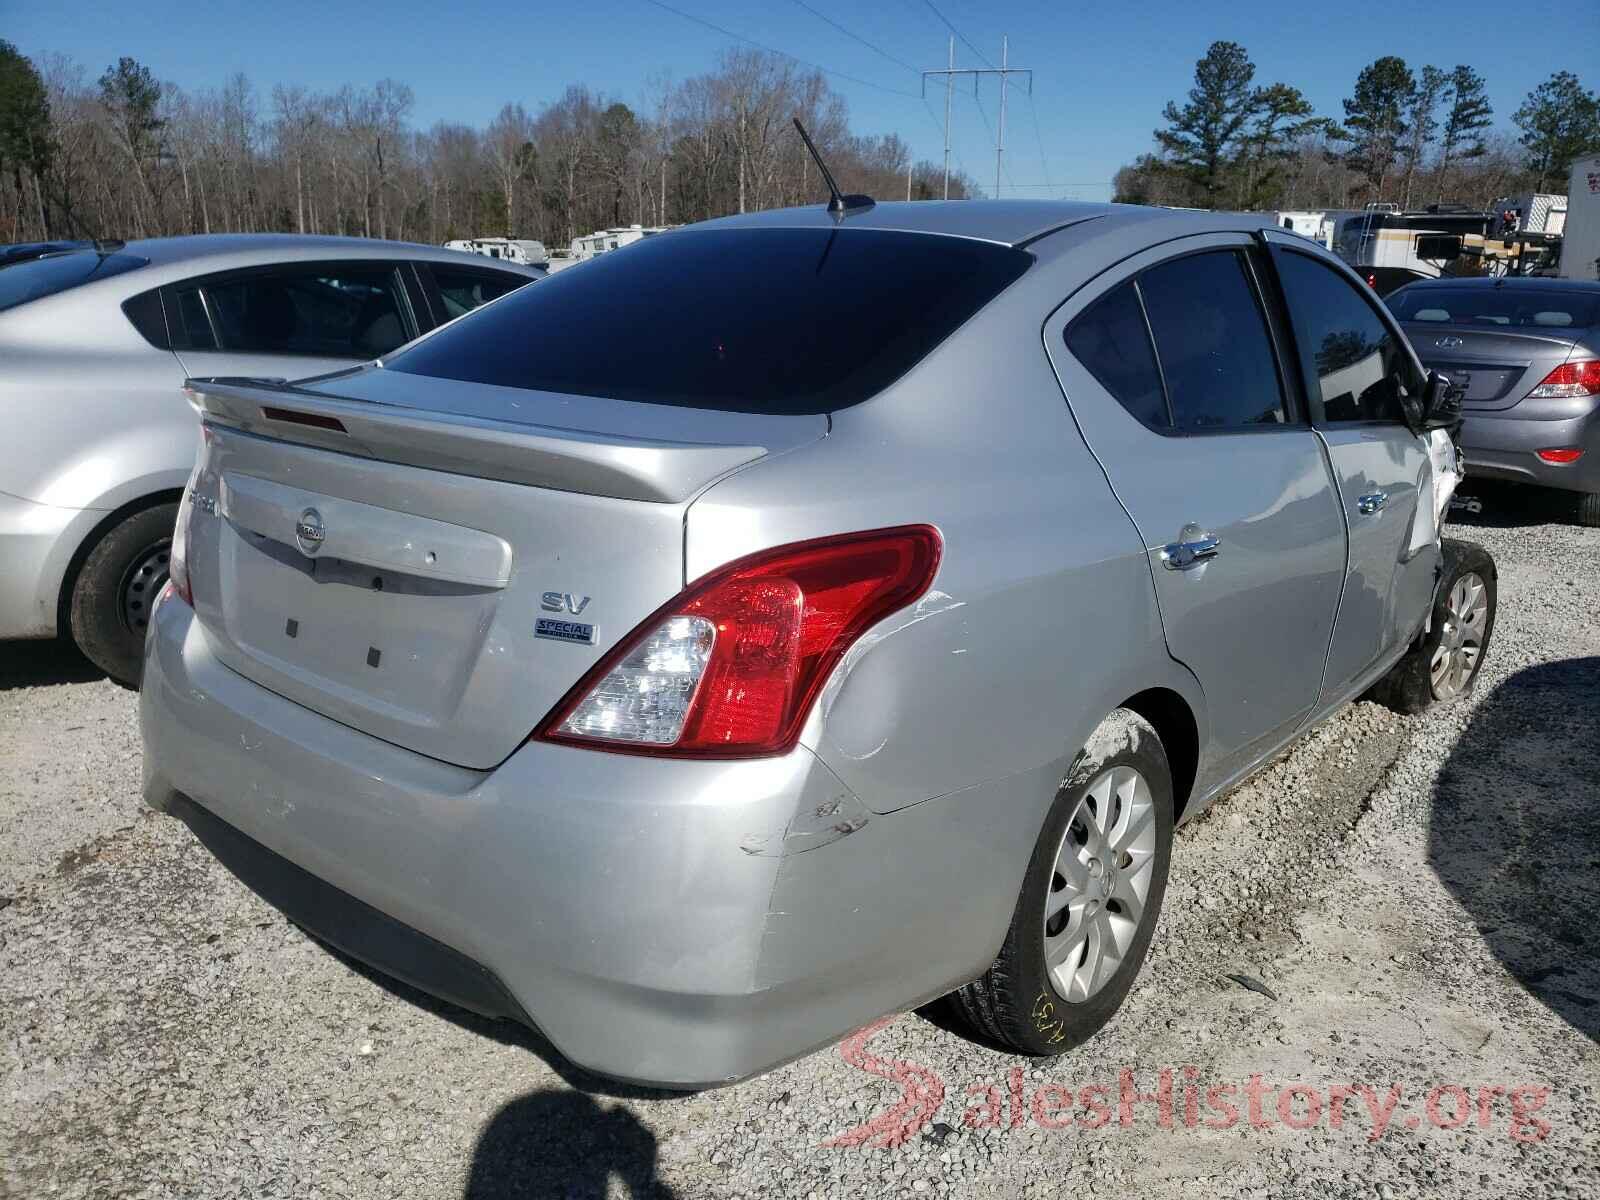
<point>25,281</point>
<point>1531,308</point>
<point>787,321</point>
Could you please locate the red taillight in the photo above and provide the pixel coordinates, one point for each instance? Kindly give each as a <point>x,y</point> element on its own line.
<point>1559,456</point>
<point>1570,379</point>
<point>731,667</point>
<point>178,555</point>
<point>1372,282</point>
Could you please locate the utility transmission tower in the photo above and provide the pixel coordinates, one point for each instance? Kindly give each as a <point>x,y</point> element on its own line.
<point>1005,70</point>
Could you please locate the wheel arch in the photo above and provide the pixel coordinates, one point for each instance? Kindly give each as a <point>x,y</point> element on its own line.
<point>92,538</point>
<point>1175,724</point>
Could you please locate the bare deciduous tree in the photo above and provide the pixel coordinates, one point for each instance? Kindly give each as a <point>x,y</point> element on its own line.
<point>130,156</point>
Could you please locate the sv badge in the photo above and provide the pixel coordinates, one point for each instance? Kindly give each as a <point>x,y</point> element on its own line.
<point>563,602</point>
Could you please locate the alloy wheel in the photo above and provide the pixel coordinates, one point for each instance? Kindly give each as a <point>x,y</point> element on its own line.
<point>1100,883</point>
<point>1461,641</point>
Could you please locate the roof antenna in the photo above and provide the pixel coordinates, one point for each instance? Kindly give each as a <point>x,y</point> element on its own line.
<point>839,204</point>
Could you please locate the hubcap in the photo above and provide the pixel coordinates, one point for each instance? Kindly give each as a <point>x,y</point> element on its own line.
<point>1461,639</point>
<point>1101,880</point>
<point>142,584</point>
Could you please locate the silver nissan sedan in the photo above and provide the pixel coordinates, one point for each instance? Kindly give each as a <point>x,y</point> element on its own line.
<point>799,616</point>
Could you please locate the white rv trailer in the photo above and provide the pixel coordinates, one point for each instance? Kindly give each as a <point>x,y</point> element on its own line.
<point>603,241</point>
<point>518,250</point>
<point>1320,225</point>
<point>1306,224</point>
<point>1580,245</point>
<point>1427,242</point>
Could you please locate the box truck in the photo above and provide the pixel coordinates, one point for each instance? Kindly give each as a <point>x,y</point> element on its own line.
<point>1580,243</point>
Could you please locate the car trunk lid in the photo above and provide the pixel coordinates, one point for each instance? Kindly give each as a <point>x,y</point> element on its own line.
<point>441,579</point>
<point>1494,368</point>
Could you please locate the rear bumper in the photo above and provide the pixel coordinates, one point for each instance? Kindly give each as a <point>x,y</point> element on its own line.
<point>1504,445</point>
<point>674,923</point>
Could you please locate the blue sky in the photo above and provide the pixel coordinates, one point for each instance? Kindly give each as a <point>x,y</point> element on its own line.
<point>1102,71</point>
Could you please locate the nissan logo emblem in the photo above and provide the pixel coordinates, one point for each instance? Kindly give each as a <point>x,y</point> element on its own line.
<point>309,531</point>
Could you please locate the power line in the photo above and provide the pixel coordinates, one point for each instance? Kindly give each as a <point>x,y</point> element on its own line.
<point>989,129</point>
<point>983,113</point>
<point>961,36</point>
<point>739,37</point>
<point>1005,80</point>
<point>878,50</point>
<point>1033,111</point>
<point>1003,71</point>
<point>934,117</point>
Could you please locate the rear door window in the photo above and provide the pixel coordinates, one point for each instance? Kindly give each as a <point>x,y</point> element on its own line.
<point>1212,341</point>
<point>784,321</point>
<point>462,289</point>
<point>319,310</point>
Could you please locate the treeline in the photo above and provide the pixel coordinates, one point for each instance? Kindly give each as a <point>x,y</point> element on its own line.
<point>127,155</point>
<point>1409,137</point>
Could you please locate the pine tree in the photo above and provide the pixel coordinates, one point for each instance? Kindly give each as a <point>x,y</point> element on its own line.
<point>1560,121</point>
<point>1424,105</point>
<point>1468,115</point>
<point>1375,119</point>
<point>1202,136</point>
<point>25,140</point>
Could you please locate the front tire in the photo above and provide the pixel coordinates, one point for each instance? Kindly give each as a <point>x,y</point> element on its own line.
<point>1444,665</point>
<point>117,587</point>
<point>1089,901</point>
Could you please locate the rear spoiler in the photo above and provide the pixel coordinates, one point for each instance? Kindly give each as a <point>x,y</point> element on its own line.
<point>574,461</point>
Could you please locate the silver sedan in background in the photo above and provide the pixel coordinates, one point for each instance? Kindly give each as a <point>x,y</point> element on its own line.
<point>1526,354</point>
<point>95,343</point>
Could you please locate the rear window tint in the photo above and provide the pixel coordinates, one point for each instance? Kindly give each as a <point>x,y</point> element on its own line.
<point>785,321</point>
<point>25,281</point>
<point>1537,308</point>
<point>1211,337</point>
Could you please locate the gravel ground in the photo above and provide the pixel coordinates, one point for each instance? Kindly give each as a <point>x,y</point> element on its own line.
<point>1398,903</point>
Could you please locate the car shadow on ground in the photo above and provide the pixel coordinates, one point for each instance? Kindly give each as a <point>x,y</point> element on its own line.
<point>1515,832</point>
<point>551,1142</point>
<point>507,1033</point>
<point>38,664</point>
<point>563,1144</point>
<point>1490,504</point>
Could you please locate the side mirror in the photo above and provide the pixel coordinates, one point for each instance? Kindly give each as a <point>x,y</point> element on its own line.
<point>1441,403</point>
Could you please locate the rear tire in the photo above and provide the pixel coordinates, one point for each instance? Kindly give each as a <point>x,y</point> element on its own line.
<point>1082,928</point>
<point>117,587</point>
<point>1434,672</point>
<point>1589,509</point>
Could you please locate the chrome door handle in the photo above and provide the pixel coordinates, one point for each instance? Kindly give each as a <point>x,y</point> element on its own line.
<point>1193,545</point>
<point>1377,502</point>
